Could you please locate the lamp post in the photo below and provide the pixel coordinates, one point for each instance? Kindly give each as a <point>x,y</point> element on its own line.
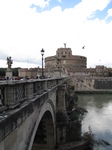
<point>42,53</point>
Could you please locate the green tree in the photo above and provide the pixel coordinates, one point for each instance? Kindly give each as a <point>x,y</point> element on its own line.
<point>2,72</point>
<point>15,71</point>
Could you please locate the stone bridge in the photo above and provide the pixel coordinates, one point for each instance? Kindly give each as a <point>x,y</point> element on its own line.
<point>28,113</point>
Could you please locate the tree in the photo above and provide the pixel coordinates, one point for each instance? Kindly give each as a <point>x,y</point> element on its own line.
<point>2,72</point>
<point>15,71</point>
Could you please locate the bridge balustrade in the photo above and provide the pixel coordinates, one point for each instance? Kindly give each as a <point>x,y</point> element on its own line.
<point>1,96</point>
<point>13,93</point>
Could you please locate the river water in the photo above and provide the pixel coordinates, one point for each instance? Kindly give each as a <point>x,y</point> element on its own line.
<point>99,116</point>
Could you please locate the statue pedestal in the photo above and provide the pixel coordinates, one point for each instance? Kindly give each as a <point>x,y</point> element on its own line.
<point>8,73</point>
<point>57,73</point>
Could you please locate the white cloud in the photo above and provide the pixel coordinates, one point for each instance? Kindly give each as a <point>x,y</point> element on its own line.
<point>109,14</point>
<point>24,32</point>
<point>40,3</point>
<point>88,8</point>
<point>59,1</point>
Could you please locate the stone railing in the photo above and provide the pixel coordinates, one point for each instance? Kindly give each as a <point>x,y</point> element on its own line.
<point>13,93</point>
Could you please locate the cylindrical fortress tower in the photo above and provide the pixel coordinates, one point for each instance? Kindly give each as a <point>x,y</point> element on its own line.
<point>70,62</point>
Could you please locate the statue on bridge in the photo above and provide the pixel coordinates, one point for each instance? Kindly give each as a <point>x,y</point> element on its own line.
<point>9,62</point>
<point>57,72</point>
<point>9,71</point>
<point>57,61</point>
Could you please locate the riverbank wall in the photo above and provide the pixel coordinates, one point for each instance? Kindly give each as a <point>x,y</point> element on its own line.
<point>93,91</point>
<point>90,83</point>
<point>78,145</point>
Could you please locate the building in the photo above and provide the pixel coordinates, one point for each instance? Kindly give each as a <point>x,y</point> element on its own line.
<point>72,63</point>
<point>29,73</point>
<point>67,63</point>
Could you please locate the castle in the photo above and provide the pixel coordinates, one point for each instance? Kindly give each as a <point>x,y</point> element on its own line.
<point>71,64</point>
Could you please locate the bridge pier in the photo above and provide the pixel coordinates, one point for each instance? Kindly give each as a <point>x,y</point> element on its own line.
<point>60,99</point>
<point>61,116</point>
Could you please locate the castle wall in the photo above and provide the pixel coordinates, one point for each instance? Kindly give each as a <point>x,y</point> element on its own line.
<point>29,72</point>
<point>61,52</point>
<point>50,62</point>
<point>71,63</point>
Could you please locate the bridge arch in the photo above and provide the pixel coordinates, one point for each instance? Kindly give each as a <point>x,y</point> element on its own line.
<point>44,134</point>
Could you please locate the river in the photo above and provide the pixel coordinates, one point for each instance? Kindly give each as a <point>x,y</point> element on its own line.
<point>99,116</point>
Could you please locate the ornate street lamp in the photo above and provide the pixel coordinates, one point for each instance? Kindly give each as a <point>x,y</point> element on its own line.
<point>42,53</point>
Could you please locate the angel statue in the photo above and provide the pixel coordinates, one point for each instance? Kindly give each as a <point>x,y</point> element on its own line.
<point>57,61</point>
<point>9,62</point>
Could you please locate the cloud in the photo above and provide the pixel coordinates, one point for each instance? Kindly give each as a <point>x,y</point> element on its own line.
<point>40,3</point>
<point>87,9</point>
<point>109,14</point>
<point>59,1</point>
<point>24,31</point>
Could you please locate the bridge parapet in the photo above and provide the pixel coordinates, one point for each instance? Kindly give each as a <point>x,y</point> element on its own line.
<point>13,93</point>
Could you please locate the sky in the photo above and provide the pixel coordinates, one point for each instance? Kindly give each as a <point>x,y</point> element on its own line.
<point>27,26</point>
